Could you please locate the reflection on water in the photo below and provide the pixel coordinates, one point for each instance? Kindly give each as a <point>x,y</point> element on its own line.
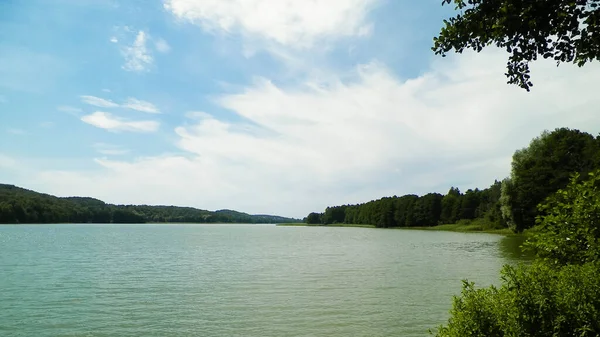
<point>511,248</point>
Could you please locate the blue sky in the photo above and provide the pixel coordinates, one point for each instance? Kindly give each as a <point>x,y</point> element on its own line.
<point>263,106</point>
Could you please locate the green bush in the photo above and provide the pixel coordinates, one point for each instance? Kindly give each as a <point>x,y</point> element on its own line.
<point>539,300</point>
<point>559,294</point>
<point>569,229</point>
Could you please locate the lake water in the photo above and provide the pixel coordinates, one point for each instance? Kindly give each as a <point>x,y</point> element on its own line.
<point>236,280</point>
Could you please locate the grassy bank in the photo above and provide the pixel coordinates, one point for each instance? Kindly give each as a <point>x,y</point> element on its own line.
<point>465,228</point>
<point>330,225</point>
<point>459,227</point>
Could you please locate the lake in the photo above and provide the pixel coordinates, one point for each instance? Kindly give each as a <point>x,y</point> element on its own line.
<point>237,280</point>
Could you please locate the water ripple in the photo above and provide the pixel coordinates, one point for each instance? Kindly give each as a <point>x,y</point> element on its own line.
<point>233,280</point>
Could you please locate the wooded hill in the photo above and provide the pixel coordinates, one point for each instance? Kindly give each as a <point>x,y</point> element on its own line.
<point>18,205</point>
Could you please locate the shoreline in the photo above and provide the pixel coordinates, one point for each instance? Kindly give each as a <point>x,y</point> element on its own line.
<point>145,223</point>
<point>447,228</point>
<point>301,224</point>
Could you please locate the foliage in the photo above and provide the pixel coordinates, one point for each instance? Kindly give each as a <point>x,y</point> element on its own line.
<point>334,215</point>
<point>538,300</point>
<point>562,30</point>
<point>478,225</point>
<point>19,205</point>
<point>569,229</point>
<point>559,295</point>
<point>538,171</point>
<point>542,168</point>
<point>451,206</point>
<point>419,211</point>
<point>506,208</point>
<point>481,224</point>
<point>313,218</point>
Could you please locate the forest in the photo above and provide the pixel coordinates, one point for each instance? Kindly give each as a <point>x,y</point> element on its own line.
<point>538,171</point>
<point>21,206</point>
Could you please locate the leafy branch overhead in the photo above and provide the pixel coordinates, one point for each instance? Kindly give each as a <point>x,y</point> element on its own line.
<point>563,30</point>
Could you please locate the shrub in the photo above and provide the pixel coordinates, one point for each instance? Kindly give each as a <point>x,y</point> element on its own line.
<point>539,300</point>
<point>559,294</point>
<point>569,229</point>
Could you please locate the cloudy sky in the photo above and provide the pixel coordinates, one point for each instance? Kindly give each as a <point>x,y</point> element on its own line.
<point>263,106</point>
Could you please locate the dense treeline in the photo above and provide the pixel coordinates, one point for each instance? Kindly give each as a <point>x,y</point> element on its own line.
<point>538,171</point>
<point>544,167</point>
<point>414,211</point>
<point>19,205</point>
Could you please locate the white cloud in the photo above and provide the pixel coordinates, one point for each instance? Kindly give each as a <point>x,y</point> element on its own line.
<point>131,103</point>
<point>366,30</point>
<point>162,46</point>
<point>320,144</point>
<point>139,105</point>
<point>110,149</point>
<point>292,23</point>
<point>99,102</point>
<point>18,132</point>
<point>105,120</point>
<point>137,56</point>
<point>114,39</point>
<point>106,90</point>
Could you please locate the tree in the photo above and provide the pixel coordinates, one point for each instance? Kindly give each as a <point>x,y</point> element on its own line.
<point>451,206</point>
<point>570,225</point>
<point>562,30</point>
<point>489,205</point>
<point>18,205</point>
<point>334,215</point>
<point>123,216</point>
<point>386,214</point>
<point>559,294</point>
<point>469,204</point>
<point>427,210</point>
<point>313,218</point>
<point>7,214</point>
<point>403,216</point>
<point>541,169</point>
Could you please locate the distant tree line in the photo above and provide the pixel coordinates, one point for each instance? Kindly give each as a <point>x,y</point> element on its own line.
<point>18,205</point>
<point>538,171</point>
<point>418,211</point>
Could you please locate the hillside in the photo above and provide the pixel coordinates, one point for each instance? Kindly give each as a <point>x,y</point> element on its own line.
<point>19,205</point>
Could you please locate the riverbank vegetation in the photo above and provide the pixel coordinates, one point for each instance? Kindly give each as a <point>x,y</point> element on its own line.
<point>559,294</point>
<point>538,171</point>
<point>18,205</point>
<point>468,227</point>
<point>553,195</point>
<point>462,227</point>
<point>304,224</point>
<point>554,183</point>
